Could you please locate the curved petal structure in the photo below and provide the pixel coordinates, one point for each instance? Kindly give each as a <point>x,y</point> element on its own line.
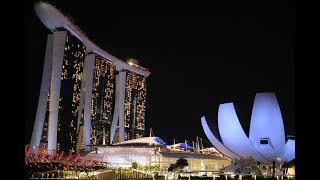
<point>266,142</point>
<point>232,134</point>
<point>215,142</point>
<point>266,126</point>
<point>289,151</point>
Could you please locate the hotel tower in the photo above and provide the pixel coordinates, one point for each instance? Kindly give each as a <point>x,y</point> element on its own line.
<point>87,97</point>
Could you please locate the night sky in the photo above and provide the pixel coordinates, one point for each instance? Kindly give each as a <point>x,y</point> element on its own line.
<point>199,56</point>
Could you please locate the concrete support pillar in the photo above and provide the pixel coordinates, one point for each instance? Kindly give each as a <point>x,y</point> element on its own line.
<point>119,107</point>
<point>43,97</point>
<point>88,79</point>
<point>59,39</point>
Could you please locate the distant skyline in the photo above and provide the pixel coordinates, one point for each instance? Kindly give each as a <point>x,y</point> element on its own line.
<point>225,53</point>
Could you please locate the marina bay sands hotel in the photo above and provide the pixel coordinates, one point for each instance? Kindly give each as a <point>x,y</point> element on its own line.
<point>87,97</point>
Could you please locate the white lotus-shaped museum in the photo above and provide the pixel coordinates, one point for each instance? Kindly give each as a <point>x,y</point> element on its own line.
<point>266,142</point>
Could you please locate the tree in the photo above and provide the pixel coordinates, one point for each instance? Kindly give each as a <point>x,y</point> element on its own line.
<point>181,163</point>
<point>157,167</point>
<point>172,167</point>
<point>134,165</point>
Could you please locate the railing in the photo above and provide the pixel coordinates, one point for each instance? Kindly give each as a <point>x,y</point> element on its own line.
<point>104,174</point>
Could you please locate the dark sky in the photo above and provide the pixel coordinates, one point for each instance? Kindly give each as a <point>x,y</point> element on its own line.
<point>199,56</point>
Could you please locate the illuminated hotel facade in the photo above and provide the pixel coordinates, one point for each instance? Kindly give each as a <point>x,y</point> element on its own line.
<point>87,97</point>
<point>135,104</point>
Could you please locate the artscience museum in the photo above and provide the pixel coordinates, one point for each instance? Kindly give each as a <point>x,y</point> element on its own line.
<point>267,142</point>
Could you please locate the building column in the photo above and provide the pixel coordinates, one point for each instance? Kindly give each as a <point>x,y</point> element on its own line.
<point>59,40</point>
<point>119,107</point>
<point>43,97</point>
<point>88,70</point>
